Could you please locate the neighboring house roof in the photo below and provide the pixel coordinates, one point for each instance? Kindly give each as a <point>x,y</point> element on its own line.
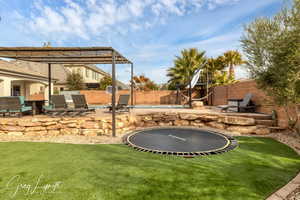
<point>58,72</point>
<point>14,69</point>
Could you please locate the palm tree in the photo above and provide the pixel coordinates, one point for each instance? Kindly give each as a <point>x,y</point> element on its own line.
<point>185,66</point>
<point>231,59</point>
<point>215,64</point>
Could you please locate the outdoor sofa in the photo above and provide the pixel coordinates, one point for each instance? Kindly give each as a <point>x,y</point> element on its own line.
<point>14,105</point>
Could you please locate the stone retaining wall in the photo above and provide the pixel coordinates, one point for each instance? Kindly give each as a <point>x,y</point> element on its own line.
<point>240,125</point>
<point>93,126</point>
<point>40,126</point>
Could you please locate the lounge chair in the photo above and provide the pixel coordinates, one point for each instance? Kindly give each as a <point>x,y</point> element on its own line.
<point>80,105</point>
<point>57,106</point>
<point>242,105</point>
<point>122,103</point>
<point>3,106</point>
<point>14,105</point>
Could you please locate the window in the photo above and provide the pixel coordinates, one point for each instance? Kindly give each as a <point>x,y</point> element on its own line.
<point>16,90</point>
<point>87,72</point>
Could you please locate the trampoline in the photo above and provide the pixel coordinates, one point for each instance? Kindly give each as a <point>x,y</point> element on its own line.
<point>180,141</point>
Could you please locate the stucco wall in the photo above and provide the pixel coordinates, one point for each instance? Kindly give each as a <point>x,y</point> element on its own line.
<point>28,87</point>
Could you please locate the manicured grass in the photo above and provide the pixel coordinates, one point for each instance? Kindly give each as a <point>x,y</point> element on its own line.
<point>253,171</point>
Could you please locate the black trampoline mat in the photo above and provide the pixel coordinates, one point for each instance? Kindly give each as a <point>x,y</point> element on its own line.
<point>183,140</point>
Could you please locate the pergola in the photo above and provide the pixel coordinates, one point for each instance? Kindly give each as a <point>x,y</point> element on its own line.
<point>73,55</point>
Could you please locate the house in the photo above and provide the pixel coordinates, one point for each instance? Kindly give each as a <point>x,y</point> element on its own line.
<point>92,75</point>
<point>30,79</point>
<point>19,81</point>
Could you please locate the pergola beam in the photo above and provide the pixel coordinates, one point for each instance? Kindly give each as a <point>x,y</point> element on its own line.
<point>95,55</point>
<point>73,60</point>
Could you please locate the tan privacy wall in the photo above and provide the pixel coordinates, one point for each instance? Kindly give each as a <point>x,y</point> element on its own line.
<point>240,89</point>
<point>140,97</point>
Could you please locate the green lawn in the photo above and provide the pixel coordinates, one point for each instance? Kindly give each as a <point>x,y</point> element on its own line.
<point>254,170</point>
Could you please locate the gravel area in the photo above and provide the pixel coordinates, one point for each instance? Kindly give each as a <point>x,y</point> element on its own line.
<point>292,140</point>
<point>294,195</point>
<point>288,138</point>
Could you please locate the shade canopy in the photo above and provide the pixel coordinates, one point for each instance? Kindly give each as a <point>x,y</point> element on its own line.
<point>65,55</point>
<point>72,55</point>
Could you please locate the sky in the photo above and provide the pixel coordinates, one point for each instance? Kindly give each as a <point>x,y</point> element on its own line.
<point>148,32</point>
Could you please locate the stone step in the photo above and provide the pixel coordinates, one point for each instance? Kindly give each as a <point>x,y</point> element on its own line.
<point>276,129</point>
<point>255,116</point>
<point>265,122</point>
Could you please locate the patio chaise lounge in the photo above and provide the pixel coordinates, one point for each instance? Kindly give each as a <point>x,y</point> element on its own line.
<point>58,106</point>
<point>80,105</point>
<point>122,103</point>
<point>241,105</point>
<point>16,105</point>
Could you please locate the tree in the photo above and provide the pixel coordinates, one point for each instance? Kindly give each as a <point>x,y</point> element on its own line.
<point>272,46</point>
<point>216,64</point>
<point>185,66</point>
<point>232,59</point>
<point>104,82</point>
<point>222,78</point>
<point>216,70</point>
<point>145,84</point>
<point>74,81</point>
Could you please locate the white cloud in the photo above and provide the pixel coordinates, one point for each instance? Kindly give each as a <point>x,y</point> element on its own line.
<point>212,4</point>
<point>85,19</point>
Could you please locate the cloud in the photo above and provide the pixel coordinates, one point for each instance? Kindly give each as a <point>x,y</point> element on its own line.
<point>213,4</point>
<point>86,19</point>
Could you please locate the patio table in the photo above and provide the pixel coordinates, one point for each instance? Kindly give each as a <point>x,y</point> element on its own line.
<point>37,105</point>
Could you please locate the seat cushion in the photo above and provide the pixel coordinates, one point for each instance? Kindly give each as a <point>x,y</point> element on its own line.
<point>49,107</point>
<point>22,100</point>
<point>23,109</point>
<point>26,108</point>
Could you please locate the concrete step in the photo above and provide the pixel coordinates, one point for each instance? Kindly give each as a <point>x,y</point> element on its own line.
<point>265,122</point>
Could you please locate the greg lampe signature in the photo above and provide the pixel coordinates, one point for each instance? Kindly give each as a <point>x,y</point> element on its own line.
<point>15,185</point>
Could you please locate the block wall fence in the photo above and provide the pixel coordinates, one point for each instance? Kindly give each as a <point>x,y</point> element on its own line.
<point>240,89</point>
<point>219,97</point>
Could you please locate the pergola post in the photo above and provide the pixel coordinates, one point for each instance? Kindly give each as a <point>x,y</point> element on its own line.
<point>207,82</point>
<point>131,84</point>
<point>113,97</point>
<point>49,83</point>
<point>190,93</point>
